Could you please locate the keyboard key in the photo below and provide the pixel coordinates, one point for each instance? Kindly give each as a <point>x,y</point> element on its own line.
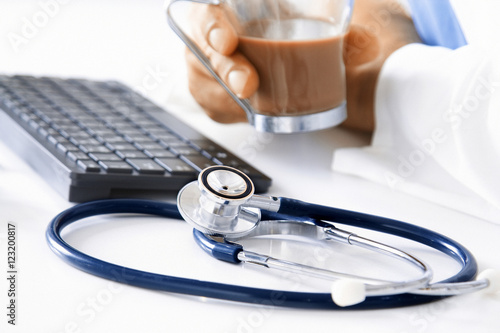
<point>55,139</point>
<point>116,166</point>
<point>77,155</point>
<point>146,166</point>
<point>198,162</point>
<point>44,131</point>
<point>95,149</point>
<point>88,165</point>
<point>172,143</point>
<point>66,147</point>
<point>76,136</point>
<point>74,131</point>
<point>121,146</point>
<point>111,140</point>
<point>166,137</point>
<point>228,159</point>
<point>35,125</point>
<point>89,141</point>
<point>184,150</point>
<point>101,132</point>
<point>104,157</point>
<point>207,146</point>
<point>139,138</point>
<point>131,154</point>
<point>150,146</point>
<point>176,166</point>
<point>160,153</point>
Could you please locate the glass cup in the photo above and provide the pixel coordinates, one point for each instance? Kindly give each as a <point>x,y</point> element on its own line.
<point>296,47</point>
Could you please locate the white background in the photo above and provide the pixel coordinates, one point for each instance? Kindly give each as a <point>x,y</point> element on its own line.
<point>131,42</point>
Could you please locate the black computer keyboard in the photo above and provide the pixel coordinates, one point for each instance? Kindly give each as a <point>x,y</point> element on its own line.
<point>95,140</point>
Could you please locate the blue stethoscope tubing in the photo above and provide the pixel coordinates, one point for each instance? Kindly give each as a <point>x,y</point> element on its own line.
<point>290,208</point>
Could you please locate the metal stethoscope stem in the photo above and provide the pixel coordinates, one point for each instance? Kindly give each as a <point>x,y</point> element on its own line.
<point>365,286</point>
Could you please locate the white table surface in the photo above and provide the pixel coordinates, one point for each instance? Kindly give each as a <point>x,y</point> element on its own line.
<point>131,42</point>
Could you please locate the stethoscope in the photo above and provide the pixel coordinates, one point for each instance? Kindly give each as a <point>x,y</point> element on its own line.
<point>223,209</point>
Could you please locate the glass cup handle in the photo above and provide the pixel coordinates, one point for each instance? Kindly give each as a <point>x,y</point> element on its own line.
<point>243,103</point>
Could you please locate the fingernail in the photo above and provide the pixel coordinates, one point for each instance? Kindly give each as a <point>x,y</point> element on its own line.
<point>217,39</point>
<point>237,80</point>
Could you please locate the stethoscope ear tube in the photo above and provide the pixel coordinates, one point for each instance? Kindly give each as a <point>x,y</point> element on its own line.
<point>418,234</point>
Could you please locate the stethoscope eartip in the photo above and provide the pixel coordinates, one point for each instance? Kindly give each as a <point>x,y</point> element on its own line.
<point>347,292</point>
<point>493,278</point>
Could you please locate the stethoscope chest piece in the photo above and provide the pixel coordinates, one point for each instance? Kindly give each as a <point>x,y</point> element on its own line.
<point>215,203</point>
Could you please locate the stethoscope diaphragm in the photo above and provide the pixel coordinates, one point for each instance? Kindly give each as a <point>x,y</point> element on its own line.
<point>215,204</point>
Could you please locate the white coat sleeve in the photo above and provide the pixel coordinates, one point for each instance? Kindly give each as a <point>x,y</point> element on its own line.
<point>437,129</point>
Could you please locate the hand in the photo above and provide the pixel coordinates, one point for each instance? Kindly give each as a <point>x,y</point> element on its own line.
<point>378,28</point>
<point>217,38</point>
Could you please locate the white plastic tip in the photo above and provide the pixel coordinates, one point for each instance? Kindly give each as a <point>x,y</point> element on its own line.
<point>493,277</point>
<point>346,292</point>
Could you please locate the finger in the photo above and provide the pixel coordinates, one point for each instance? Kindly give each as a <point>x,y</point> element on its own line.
<point>212,29</point>
<point>233,68</point>
<point>210,95</point>
<point>237,72</point>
